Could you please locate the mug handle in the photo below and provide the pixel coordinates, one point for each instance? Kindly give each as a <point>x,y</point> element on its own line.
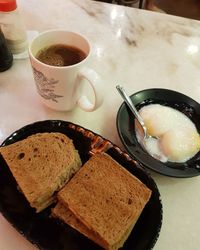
<point>95,82</point>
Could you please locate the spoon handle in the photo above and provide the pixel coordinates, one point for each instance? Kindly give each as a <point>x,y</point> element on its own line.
<point>128,101</point>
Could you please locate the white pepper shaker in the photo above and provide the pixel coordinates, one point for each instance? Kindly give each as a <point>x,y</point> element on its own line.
<point>13,27</point>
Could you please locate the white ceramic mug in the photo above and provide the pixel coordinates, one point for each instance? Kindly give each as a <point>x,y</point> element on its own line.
<point>60,87</point>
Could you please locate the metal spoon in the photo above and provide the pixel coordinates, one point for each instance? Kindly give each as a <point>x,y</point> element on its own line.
<point>130,104</point>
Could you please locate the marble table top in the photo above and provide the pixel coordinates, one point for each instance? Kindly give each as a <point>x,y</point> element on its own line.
<point>136,48</point>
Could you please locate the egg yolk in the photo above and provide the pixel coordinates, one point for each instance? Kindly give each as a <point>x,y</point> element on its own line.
<point>180,144</point>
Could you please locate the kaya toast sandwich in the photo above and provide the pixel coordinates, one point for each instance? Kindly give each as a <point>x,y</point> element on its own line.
<point>103,201</point>
<point>41,165</point>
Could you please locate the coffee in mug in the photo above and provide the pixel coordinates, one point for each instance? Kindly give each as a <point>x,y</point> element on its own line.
<point>60,60</point>
<point>60,55</point>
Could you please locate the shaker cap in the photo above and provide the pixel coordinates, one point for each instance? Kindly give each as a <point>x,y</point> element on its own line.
<point>8,5</point>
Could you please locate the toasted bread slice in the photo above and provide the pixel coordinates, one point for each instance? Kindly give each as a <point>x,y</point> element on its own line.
<point>41,165</point>
<point>63,213</point>
<point>106,199</point>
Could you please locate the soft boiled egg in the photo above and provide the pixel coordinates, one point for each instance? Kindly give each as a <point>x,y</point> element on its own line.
<point>159,119</point>
<point>179,145</point>
<point>177,136</point>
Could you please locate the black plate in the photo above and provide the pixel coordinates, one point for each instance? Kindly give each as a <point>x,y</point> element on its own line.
<point>126,130</point>
<point>51,234</point>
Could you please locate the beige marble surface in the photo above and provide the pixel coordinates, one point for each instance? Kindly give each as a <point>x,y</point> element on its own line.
<point>135,48</point>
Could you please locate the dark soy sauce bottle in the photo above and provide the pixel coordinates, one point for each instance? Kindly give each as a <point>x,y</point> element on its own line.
<point>6,58</point>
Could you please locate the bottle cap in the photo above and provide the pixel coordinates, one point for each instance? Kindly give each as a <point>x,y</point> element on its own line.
<point>8,5</point>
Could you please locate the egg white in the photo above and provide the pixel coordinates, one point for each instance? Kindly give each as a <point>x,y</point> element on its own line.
<point>178,139</point>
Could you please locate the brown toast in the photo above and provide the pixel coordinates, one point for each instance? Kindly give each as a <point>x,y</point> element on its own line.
<point>103,201</point>
<point>42,164</point>
<point>63,213</point>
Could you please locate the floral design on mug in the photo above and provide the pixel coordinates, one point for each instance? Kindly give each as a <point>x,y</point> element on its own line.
<point>45,86</point>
